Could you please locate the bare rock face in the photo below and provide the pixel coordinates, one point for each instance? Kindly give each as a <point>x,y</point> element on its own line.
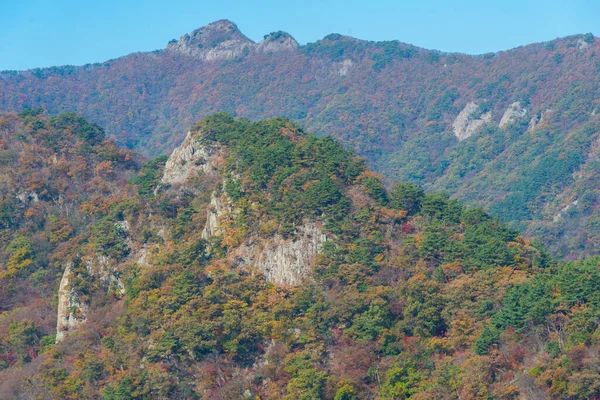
<point>276,42</point>
<point>470,121</point>
<point>220,40</point>
<point>71,310</point>
<point>512,114</point>
<point>26,197</point>
<point>289,262</point>
<point>186,160</point>
<point>344,67</point>
<point>283,261</point>
<point>218,208</point>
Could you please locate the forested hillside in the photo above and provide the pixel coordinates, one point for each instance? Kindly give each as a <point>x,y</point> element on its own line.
<point>164,270</point>
<point>395,104</point>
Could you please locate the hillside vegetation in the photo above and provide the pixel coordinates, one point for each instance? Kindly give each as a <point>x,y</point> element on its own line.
<point>412,295</point>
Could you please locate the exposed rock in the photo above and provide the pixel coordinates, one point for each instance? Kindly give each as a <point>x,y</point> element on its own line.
<point>533,123</point>
<point>284,261</point>
<point>220,40</point>
<point>582,44</point>
<point>186,160</point>
<point>344,67</point>
<point>218,208</point>
<point>467,124</point>
<point>102,268</point>
<point>536,120</point>
<point>276,42</point>
<point>26,197</point>
<point>560,214</point>
<point>71,310</point>
<point>512,114</point>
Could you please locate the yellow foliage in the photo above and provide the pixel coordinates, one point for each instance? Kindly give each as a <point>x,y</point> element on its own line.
<point>17,262</point>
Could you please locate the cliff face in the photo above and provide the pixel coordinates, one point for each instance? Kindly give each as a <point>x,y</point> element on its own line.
<point>188,159</point>
<point>218,208</point>
<point>71,310</point>
<point>470,121</point>
<point>284,261</point>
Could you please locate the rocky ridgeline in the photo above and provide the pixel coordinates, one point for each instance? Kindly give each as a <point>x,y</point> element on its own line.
<point>222,40</point>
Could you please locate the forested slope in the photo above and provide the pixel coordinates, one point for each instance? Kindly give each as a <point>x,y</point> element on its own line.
<point>171,293</point>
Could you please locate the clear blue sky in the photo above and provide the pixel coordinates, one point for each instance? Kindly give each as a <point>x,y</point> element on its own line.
<point>40,33</point>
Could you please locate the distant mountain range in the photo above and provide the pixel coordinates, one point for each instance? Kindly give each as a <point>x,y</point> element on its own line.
<point>516,132</point>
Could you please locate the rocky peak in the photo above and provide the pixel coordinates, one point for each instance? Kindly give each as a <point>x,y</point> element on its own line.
<point>275,42</point>
<point>220,40</point>
<point>194,155</point>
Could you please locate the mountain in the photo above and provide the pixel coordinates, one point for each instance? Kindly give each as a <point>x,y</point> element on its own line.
<point>515,132</point>
<point>260,261</point>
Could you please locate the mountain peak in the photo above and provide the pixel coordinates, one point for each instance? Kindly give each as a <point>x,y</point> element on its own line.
<point>218,40</point>
<point>222,40</point>
<point>277,41</point>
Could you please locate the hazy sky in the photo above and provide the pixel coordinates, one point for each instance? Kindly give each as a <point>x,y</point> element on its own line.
<point>40,33</point>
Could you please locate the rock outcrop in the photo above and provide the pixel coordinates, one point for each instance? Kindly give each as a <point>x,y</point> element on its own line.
<point>536,120</point>
<point>285,261</point>
<point>582,44</point>
<point>26,197</point>
<point>344,67</point>
<point>470,121</point>
<point>188,159</point>
<point>218,208</point>
<point>222,40</point>
<point>71,310</point>
<point>512,114</point>
<point>276,42</point>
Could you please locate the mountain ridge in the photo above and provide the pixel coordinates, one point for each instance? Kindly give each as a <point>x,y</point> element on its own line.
<point>227,22</point>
